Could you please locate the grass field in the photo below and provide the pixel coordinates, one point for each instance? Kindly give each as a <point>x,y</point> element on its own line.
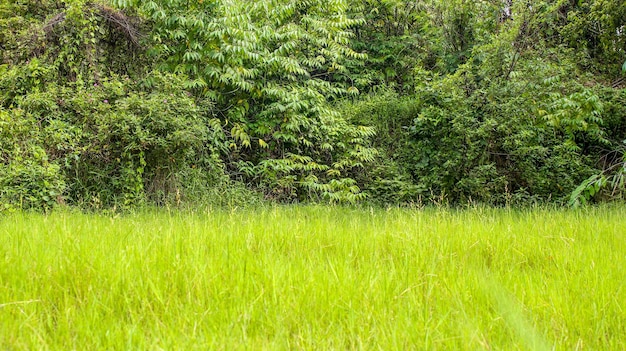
<point>315,278</point>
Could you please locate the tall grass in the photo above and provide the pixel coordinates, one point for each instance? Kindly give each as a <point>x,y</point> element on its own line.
<point>315,278</point>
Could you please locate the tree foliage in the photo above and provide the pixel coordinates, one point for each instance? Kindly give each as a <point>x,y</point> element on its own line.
<point>84,128</point>
<point>506,112</point>
<point>269,66</point>
<point>115,103</point>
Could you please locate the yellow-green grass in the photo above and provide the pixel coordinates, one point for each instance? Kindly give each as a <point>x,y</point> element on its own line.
<point>315,278</point>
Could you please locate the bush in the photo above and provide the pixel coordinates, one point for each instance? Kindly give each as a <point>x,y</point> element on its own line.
<point>487,141</point>
<point>117,142</point>
<point>27,177</point>
<point>386,180</point>
<point>464,138</point>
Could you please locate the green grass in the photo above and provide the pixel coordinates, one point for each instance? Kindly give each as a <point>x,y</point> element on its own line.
<point>315,278</point>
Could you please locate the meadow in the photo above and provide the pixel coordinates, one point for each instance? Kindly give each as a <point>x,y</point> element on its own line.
<point>327,278</point>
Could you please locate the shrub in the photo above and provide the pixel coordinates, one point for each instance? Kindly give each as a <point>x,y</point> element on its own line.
<point>28,179</point>
<point>118,142</point>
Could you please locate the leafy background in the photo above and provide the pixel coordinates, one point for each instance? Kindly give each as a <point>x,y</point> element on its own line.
<point>114,104</point>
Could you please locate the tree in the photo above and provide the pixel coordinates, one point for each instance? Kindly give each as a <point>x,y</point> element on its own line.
<point>270,67</point>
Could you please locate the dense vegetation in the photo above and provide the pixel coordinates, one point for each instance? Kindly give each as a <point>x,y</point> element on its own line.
<point>117,103</point>
<point>314,278</point>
